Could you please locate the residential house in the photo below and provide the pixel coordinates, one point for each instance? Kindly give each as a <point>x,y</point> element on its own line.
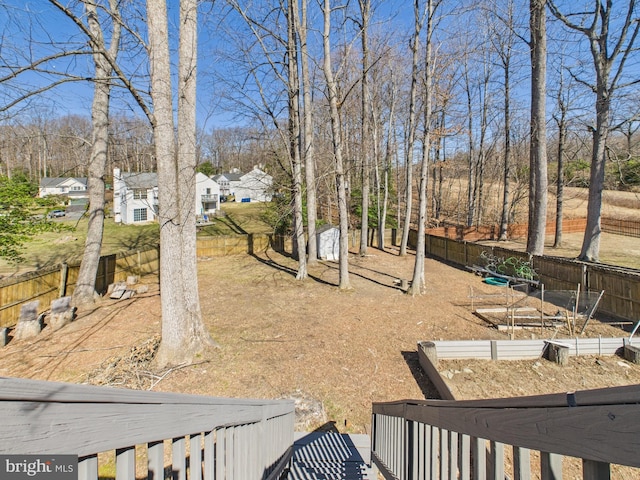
<point>255,186</point>
<point>73,188</point>
<point>207,195</point>
<point>228,182</point>
<point>135,197</point>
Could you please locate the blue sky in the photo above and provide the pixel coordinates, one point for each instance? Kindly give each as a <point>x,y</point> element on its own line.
<point>49,29</point>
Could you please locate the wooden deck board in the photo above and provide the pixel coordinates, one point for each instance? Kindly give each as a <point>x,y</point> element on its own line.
<point>328,455</point>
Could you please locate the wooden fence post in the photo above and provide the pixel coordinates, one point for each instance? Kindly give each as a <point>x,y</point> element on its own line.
<point>64,274</point>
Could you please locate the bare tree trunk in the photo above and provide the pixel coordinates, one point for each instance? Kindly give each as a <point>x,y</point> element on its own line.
<point>308,155</point>
<point>388,155</point>
<point>482,148</point>
<point>562,137</point>
<point>415,43</point>
<point>183,332</point>
<point>538,161</point>
<point>471,176</point>
<point>504,47</point>
<point>84,292</point>
<point>332,91</point>
<point>365,11</point>
<point>439,159</point>
<point>418,281</point>
<point>293,84</point>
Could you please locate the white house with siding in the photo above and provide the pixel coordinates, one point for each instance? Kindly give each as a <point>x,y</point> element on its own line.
<point>71,187</point>
<point>228,182</point>
<point>207,195</point>
<point>254,186</point>
<point>135,196</point>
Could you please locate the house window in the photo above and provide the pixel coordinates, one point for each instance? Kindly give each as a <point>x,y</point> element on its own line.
<point>139,214</point>
<point>139,194</point>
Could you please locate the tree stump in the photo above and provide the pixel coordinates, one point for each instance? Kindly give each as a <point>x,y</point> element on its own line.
<point>29,324</point>
<point>62,313</point>
<point>558,353</point>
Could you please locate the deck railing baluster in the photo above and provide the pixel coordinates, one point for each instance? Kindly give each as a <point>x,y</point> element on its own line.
<point>521,463</point>
<point>195,457</point>
<point>155,460</point>
<point>88,468</point>
<point>126,463</point>
<point>178,459</point>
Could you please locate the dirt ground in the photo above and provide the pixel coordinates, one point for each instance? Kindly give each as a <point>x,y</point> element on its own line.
<point>282,338</point>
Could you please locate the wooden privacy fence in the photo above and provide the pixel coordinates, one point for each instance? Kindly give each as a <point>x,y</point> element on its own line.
<point>53,282</point>
<point>47,284</point>
<point>484,439</point>
<point>514,230</point>
<point>621,285</point>
<point>213,438</point>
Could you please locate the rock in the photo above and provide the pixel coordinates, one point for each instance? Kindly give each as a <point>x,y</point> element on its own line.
<point>30,323</point>
<point>142,289</point>
<point>310,412</point>
<point>127,294</point>
<point>62,313</point>
<point>116,290</point>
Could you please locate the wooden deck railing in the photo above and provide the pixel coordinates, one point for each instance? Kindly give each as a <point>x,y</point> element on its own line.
<point>213,438</point>
<point>466,439</point>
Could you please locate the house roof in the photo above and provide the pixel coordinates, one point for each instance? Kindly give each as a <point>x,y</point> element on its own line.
<point>232,177</point>
<point>257,173</point>
<point>140,180</point>
<point>53,182</point>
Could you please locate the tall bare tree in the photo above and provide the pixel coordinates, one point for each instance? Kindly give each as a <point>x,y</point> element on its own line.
<point>365,127</point>
<point>183,332</point>
<point>503,42</point>
<point>560,118</point>
<point>611,45</point>
<point>85,284</point>
<point>293,90</point>
<point>538,146</point>
<point>418,280</point>
<point>336,139</point>
<point>308,149</point>
<point>273,45</point>
<point>418,22</point>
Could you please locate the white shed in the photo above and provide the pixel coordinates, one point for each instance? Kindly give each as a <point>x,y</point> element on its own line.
<point>328,240</point>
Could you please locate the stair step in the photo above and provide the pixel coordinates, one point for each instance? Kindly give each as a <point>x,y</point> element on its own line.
<point>328,455</point>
